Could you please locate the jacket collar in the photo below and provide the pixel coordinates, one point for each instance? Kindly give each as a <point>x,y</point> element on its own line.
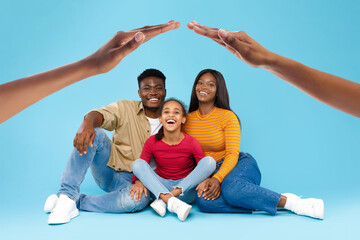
<point>140,108</point>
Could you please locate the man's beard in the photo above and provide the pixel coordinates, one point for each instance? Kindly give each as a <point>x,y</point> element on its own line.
<point>151,109</point>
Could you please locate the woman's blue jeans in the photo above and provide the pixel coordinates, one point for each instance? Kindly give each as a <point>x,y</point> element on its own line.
<point>116,184</point>
<point>241,191</point>
<point>158,185</point>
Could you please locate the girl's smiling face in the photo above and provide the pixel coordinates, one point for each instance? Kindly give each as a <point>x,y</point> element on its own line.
<point>172,116</point>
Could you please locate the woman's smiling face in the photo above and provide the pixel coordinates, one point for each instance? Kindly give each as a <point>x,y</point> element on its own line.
<point>206,88</point>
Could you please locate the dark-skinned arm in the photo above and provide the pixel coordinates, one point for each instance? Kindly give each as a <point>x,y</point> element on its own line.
<point>19,94</point>
<point>86,132</point>
<point>332,90</point>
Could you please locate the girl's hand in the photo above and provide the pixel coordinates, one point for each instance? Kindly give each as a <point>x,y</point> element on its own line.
<point>209,189</point>
<point>202,187</point>
<point>138,189</point>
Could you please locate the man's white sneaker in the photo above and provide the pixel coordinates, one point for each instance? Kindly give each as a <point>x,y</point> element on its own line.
<point>179,207</point>
<point>311,207</point>
<point>50,203</point>
<point>159,206</point>
<point>64,210</point>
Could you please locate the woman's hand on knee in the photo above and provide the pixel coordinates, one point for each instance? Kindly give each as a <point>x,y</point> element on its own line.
<point>137,190</point>
<point>214,189</point>
<point>202,187</point>
<point>209,189</point>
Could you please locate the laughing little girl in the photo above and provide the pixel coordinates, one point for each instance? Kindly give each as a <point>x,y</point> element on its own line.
<point>180,160</point>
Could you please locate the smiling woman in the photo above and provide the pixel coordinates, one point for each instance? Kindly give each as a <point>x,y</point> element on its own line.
<point>235,185</point>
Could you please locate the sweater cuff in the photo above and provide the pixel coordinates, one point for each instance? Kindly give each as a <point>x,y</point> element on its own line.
<point>218,178</point>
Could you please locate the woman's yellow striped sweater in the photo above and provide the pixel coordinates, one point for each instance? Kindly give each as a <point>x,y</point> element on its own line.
<point>218,134</point>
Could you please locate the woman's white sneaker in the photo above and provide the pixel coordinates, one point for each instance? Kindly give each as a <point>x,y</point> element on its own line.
<point>159,206</point>
<point>64,210</point>
<point>311,207</point>
<point>179,207</point>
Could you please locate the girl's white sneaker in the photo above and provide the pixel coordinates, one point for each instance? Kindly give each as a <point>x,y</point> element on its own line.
<point>159,206</point>
<point>179,207</point>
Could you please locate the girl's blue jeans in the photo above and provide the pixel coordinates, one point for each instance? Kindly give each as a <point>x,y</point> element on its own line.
<point>241,191</point>
<point>158,185</point>
<point>116,184</point>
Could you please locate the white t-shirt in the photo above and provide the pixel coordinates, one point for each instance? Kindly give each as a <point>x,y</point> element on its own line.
<point>155,125</point>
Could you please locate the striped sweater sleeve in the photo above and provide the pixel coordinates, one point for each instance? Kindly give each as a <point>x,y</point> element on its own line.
<point>232,145</point>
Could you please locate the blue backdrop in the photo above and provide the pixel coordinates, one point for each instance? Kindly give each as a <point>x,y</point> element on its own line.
<point>301,145</point>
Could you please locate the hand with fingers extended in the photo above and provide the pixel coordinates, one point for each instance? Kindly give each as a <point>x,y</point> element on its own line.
<point>238,43</point>
<point>209,189</point>
<point>332,90</point>
<point>84,136</point>
<point>125,42</point>
<point>17,95</point>
<point>137,190</point>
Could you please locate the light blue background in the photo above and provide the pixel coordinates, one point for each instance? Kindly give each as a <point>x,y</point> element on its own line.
<point>301,145</point>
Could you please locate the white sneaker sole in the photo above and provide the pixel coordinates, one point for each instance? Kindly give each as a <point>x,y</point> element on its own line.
<point>54,220</point>
<point>157,209</point>
<point>185,214</point>
<point>320,211</point>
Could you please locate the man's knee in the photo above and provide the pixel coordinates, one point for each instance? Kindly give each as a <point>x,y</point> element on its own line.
<point>101,140</point>
<point>128,204</point>
<point>99,133</point>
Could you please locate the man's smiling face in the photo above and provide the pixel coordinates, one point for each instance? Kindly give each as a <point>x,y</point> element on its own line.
<point>152,92</point>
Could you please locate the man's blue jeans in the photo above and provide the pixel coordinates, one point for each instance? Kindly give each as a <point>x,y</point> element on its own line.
<point>116,184</point>
<point>158,185</point>
<point>241,191</point>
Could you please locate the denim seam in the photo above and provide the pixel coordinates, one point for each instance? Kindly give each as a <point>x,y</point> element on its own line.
<point>102,144</point>
<point>161,185</point>
<point>67,194</point>
<point>115,176</point>
<point>157,197</point>
<point>273,209</point>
